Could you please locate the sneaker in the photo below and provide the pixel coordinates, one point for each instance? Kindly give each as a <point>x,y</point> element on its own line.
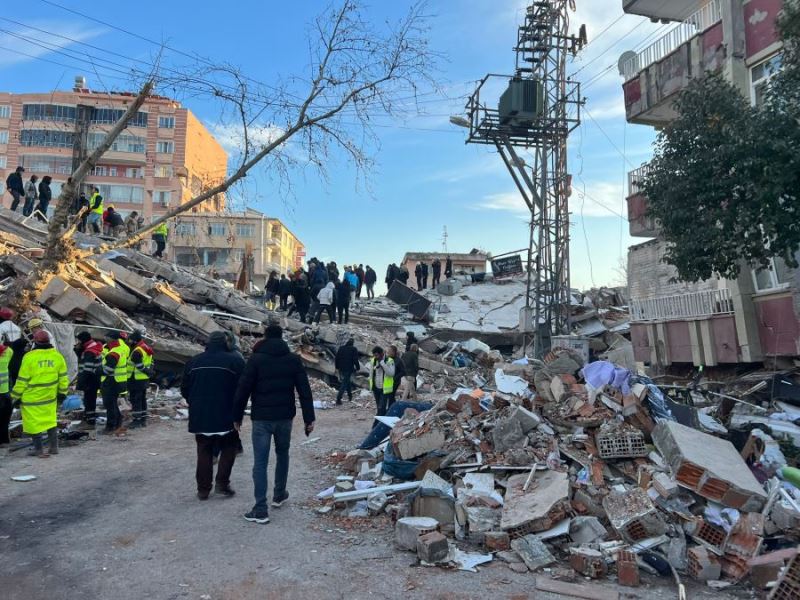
<point>202,495</point>
<point>257,517</point>
<point>225,491</point>
<point>279,501</point>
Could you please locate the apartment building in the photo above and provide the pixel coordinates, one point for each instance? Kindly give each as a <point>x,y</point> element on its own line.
<point>755,317</point>
<point>164,157</point>
<point>220,240</point>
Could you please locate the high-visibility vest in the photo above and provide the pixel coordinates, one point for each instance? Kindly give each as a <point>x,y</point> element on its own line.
<point>147,360</point>
<point>121,370</point>
<point>161,230</point>
<point>42,377</point>
<point>99,209</point>
<point>5,357</point>
<point>388,382</point>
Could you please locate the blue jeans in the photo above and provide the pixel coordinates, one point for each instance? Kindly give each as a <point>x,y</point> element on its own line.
<point>95,222</point>
<point>263,431</point>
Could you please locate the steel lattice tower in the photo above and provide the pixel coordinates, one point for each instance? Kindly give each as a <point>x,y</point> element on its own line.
<point>543,45</point>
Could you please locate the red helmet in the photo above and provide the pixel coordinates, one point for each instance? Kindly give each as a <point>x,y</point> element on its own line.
<point>41,336</point>
<point>6,314</point>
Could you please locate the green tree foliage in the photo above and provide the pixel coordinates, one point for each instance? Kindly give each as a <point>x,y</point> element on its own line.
<point>725,178</point>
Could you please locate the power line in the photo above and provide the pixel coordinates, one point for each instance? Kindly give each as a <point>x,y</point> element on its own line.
<point>610,141</point>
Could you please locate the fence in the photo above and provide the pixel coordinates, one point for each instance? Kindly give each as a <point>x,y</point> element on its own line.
<point>682,306</point>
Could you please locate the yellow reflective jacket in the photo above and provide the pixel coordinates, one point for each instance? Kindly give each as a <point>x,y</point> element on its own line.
<point>139,371</point>
<point>5,357</point>
<point>99,208</point>
<point>120,370</point>
<point>42,377</point>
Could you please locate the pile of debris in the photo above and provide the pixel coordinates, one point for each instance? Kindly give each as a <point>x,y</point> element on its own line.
<point>586,465</point>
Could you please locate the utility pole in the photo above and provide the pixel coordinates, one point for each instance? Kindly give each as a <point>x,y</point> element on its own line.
<point>444,239</point>
<point>536,113</point>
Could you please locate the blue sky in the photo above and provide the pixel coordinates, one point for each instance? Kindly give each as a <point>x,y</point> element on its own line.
<point>426,177</point>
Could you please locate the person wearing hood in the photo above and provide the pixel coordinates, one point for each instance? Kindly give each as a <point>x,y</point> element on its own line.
<point>45,195</point>
<point>326,300</point>
<point>15,187</point>
<point>302,297</point>
<point>270,379</point>
<point>140,367</point>
<point>437,272</point>
<point>41,385</point>
<point>343,290</point>
<point>90,364</point>
<point>418,275</point>
<point>347,364</point>
<point>209,384</point>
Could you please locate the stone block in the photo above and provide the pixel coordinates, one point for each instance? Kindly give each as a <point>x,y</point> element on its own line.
<point>528,421</point>
<point>533,551</point>
<point>409,442</point>
<point>588,562</point>
<point>583,530</point>
<point>665,485</point>
<point>633,515</point>
<point>544,504</point>
<point>507,435</point>
<point>497,541</point>
<point>377,503</point>
<point>703,564</point>
<point>432,547</point>
<point>408,529</point>
<point>627,569</point>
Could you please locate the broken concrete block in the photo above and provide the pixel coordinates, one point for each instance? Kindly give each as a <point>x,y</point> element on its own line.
<point>497,541</point>
<point>481,518</point>
<point>766,568</point>
<point>544,504</point>
<point>410,441</point>
<point>533,552</point>
<point>344,486</point>
<point>408,529</point>
<point>633,515</point>
<point>508,556</point>
<point>435,506</point>
<point>527,420</point>
<point>620,440</point>
<point>708,534</point>
<point>588,562</point>
<point>665,485</point>
<point>432,547</point>
<point>709,466</point>
<point>703,564</point>
<point>676,552</point>
<point>583,530</point>
<point>377,503</point>
<point>788,587</point>
<point>627,569</point>
<point>507,435</point>
<point>519,567</point>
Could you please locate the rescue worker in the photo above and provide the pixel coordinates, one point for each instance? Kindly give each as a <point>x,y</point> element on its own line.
<point>114,379</point>
<point>140,367</point>
<point>160,234</point>
<point>42,383</point>
<point>95,220</point>
<point>11,335</point>
<point>90,366</point>
<point>6,352</point>
<point>381,378</point>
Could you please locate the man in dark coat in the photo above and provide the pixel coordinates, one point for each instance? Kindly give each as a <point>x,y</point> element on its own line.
<point>209,386</point>
<point>360,273</point>
<point>270,379</point>
<point>424,276</point>
<point>284,289</point>
<point>370,278</point>
<point>448,267</point>
<point>15,187</point>
<point>302,296</point>
<point>343,301</point>
<point>347,364</point>
<point>436,265</point>
<point>418,275</point>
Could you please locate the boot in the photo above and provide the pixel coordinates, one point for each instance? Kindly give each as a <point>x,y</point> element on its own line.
<point>52,437</point>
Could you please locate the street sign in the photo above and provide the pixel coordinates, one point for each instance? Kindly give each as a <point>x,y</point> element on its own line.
<point>507,266</point>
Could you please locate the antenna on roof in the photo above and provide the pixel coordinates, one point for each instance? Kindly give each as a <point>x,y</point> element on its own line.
<point>444,238</point>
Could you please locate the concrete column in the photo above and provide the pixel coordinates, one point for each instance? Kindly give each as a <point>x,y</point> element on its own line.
<point>661,345</point>
<point>709,343</point>
<point>733,37</point>
<point>742,290</point>
<point>696,340</point>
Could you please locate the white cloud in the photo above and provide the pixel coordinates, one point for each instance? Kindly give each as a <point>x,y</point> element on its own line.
<point>22,50</point>
<point>231,136</point>
<point>510,202</point>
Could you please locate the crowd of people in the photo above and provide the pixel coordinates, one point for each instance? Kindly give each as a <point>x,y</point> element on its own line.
<point>422,272</point>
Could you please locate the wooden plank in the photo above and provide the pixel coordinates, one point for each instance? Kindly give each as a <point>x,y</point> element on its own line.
<point>575,590</point>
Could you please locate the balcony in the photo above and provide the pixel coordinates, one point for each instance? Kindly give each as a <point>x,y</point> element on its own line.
<point>693,305</point>
<point>639,224</point>
<point>673,10</point>
<point>659,71</point>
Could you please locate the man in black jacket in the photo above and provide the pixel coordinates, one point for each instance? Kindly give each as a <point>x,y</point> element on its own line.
<point>343,300</point>
<point>347,364</point>
<point>284,289</point>
<point>209,384</point>
<point>270,379</point>
<point>370,277</point>
<point>15,187</point>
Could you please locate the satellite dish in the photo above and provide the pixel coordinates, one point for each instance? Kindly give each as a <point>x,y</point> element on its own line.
<point>628,55</point>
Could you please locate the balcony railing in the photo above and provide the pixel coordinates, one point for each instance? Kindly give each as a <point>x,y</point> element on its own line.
<point>708,15</point>
<point>635,179</point>
<point>683,306</point>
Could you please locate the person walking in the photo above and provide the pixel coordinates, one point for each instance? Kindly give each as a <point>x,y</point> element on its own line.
<point>90,365</point>
<point>15,187</point>
<point>418,275</point>
<point>45,195</point>
<point>370,278</point>
<point>436,266</point>
<point>397,377</point>
<point>95,219</point>
<point>160,235</point>
<point>424,276</point>
<point>270,379</point>
<point>81,203</point>
<point>381,378</point>
<point>114,380</point>
<point>325,302</point>
<point>209,384</point>
<point>343,300</point>
<point>360,274</point>
<point>346,363</point>
<point>410,360</point>
<point>31,194</point>
<point>140,368</point>
<point>271,289</point>
<point>42,383</point>
<point>6,352</point>
<point>284,289</point>
<point>448,267</point>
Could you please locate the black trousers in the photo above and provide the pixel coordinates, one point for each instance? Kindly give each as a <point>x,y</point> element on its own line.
<point>380,401</point>
<point>137,394</point>
<point>90,402</point>
<point>161,245</point>
<point>424,282</point>
<point>227,445</point>
<point>358,289</point>
<point>5,417</point>
<point>328,308</point>
<point>436,279</point>
<point>343,310</point>
<point>110,391</point>
<point>284,301</point>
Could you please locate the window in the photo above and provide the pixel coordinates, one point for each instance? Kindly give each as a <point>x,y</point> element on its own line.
<point>100,171</point>
<point>3,162</point>
<point>123,143</point>
<point>46,138</point>
<point>134,172</point>
<point>165,147</point>
<point>216,229</point>
<point>109,116</point>
<point>760,77</point>
<point>49,112</point>
<point>5,111</point>
<point>276,232</point>
<point>166,122</point>
<point>162,197</point>
<point>245,230</point>
<point>164,171</point>
<point>776,276</point>
<point>185,229</point>
<point>3,137</point>
<point>132,194</point>
<point>47,164</point>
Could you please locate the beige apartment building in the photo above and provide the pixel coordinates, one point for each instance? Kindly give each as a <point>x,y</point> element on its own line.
<point>219,241</point>
<point>164,157</point>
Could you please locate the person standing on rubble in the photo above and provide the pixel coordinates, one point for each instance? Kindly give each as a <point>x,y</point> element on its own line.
<point>397,377</point>
<point>15,187</point>
<point>352,279</point>
<point>140,368</point>
<point>45,195</point>
<point>209,385</point>
<point>284,289</point>
<point>381,378</point>
<point>11,335</point>
<point>436,266</point>
<point>90,366</point>
<point>116,224</point>
<point>270,379</point>
<point>271,290</point>
<point>114,379</point>
<point>418,275</point>
<point>6,353</point>
<point>370,278</point>
<point>301,295</point>
<point>403,275</point>
<point>81,203</point>
<point>424,276</point>
<point>410,360</point>
<point>343,300</point>
<point>160,235</point>
<point>448,267</point>
<point>390,276</point>
<point>95,220</point>
<point>132,224</point>
<point>346,363</point>
<point>326,301</point>
<point>42,383</point>
<point>360,274</point>
<point>31,194</point>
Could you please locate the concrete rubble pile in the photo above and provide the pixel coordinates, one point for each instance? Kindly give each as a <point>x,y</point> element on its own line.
<point>583,470</point>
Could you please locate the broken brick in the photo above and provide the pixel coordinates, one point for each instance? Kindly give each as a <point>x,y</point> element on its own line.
<point>497,540</point>
<point>432,547</point>
<point>627,569</point>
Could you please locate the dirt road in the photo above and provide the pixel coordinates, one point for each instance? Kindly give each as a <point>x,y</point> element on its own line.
<point>118,518</point>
